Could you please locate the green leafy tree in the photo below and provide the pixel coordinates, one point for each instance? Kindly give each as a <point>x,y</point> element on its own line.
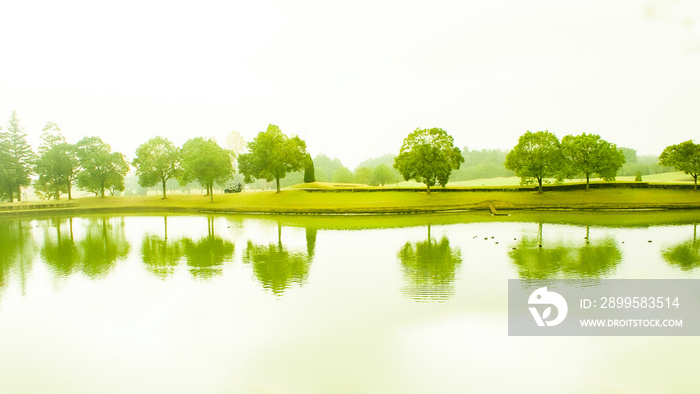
<point>536,156</point>
<point>272,155</point>
<point>683,157</point>
<point>428,156</point>
<point>157,160</point>
<point>51,136</point>
<point>57,165</point>
<point>57,169</point>
<point>629,153</point>
<point>383,175</point>
<point>363,175</point>
<point>310,170</point>
<point>206,162</point>
<point>589,154</point>
<point>101,168</point>
<point>479,164</point>
<point>343,175</point>
<point>325,167</point>
<point>17,159</point>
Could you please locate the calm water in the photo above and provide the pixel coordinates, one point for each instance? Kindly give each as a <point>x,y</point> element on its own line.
<point>417,304</point>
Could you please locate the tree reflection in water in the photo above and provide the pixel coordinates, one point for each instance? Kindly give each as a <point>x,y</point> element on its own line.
<point>161,255</point>
<point>429,269</point>
<point>537,259</point>
<point>95,255</point>
<point>204,257</point>
<point>16,251</point>
<point>276,267</point>
<point>684,255</point>
<point>60,251</point>
<point>104,244</point>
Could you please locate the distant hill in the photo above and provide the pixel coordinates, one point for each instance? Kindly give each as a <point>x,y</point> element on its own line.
<point>387,160</point>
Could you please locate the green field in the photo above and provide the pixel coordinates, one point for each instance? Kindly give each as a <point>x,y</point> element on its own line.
<point>339,201</point>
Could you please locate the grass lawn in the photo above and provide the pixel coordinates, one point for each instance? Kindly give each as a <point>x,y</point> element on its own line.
<point>334,201</point>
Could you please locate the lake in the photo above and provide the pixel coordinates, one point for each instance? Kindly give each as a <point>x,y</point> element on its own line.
<point>305,304</point>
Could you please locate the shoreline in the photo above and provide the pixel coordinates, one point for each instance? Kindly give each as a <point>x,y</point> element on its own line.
<point>301,202</point>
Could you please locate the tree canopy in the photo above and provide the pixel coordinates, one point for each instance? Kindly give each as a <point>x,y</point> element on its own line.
<point>536,156</point>
<point>383,175</point>
<point>206,162</point>
<point>16,159</point>
<point>272,155</point>
<point>57,165</point>
<point>309,171</point>
<point>57,169</point>
<point>428,156</point>
<point>101,168</point>
<point>589,154</point>
<point>157,160</point>
<point>683,157</point>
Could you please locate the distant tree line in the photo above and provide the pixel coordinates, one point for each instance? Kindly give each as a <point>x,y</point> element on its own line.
<point>274,159</point>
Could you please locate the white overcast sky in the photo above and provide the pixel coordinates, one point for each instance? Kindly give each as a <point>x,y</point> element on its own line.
<point>353,78</point>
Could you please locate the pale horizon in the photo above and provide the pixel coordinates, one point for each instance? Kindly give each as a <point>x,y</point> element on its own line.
<point>353,81</point>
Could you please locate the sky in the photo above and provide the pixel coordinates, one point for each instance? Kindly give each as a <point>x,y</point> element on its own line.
<point>353,79</point>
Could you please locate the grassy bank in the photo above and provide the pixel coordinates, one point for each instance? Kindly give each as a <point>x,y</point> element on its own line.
<point>304,202</point>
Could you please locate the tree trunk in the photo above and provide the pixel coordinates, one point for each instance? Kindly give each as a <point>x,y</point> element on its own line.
<point>587,181</point>
<point>695,178</point>
<point>164,197</point>
<point>428,185</point>
<point>278,184</point>
<point>19,194</point>
<point>102,188</point>
<point>539,180</point>
<point>69,195</point>
<point>211,193</point>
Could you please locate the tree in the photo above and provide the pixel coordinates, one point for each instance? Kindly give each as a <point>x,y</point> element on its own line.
<point>589,154</point>
<point>101,168</point>
<point>629,153</point>
<point>5,189</point>
<point>236,144</point>
<point>363,175</point>
<point>343,175</point>
<point>272,155</point>
<point>57,169</point>
<point>428,156</point>
<point>484,163</point>
<point>57,165</point>
<point>206,162</point>
<point>683,157</point>
<point>536,156</point>
<point>383,175</point>
<point>51,136</point>
<point>309,171</point>
<point>17,158</point>
<point>157,160</point>
<point>325,167</point>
